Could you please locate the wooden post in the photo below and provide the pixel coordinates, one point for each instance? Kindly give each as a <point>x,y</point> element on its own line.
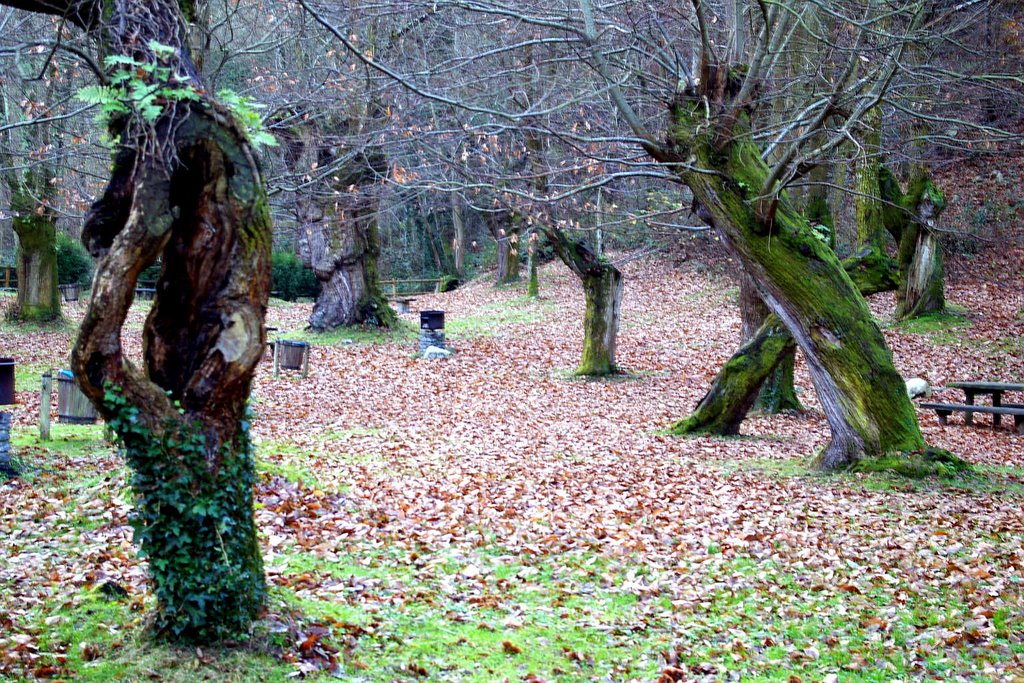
<point>277,359</point>
<point>305,361</point>
<point>45,398</point>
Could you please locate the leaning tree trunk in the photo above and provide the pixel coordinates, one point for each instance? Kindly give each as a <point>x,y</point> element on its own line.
<point>802,282</point>
<point>602,289</point>
<point>185,186</point>
<point>743,376</point>
<point>738,384</point>
<point>36,227</point>
<point>343,249</point>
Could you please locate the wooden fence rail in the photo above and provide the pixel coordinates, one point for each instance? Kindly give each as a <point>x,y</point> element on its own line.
<point>415,286</point>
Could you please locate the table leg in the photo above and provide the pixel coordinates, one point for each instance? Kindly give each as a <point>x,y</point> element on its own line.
<point>969,416</point>
<point>997,401</point>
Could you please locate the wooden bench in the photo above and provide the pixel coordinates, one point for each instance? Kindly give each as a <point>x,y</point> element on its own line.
<point>145,293</point>
<point>401,303</point>
<point>943,410</point>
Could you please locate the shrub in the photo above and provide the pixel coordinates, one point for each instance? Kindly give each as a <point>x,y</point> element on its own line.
<point>290,279</point>
<point>74,265</point>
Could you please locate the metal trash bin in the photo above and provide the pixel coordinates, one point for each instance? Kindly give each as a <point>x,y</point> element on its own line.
<point>431,320</point>
<point>431,330</point>
<point>7,394</point>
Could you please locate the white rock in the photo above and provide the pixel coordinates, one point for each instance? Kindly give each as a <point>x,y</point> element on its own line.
<point>918,387</point>
<point>435,353</point>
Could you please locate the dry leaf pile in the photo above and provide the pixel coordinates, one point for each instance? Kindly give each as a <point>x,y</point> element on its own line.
<point>498,457</point>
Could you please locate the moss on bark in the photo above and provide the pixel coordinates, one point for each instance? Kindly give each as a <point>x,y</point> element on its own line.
<point>602,288</point>
<point>603,292</point>
<point>36,228</point>
<point>738,383</point>
<point>804,284</point>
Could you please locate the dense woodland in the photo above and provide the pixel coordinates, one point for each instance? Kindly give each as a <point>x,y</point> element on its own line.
<point>690,255</point>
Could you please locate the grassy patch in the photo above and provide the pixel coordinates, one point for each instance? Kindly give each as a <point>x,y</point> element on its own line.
<point>92,638</point>
<point>494,317</point>
<point>402,332</point>
<point>982,479</point>
<point>940,328</point>
<point>484,617</point>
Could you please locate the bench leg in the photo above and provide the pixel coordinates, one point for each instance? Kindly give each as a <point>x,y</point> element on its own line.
<point>1018,423</point>
<point>997,401</point>
<point>968,415</point>
<point>943,416</point>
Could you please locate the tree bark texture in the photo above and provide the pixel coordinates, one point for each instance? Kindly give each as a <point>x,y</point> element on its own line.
<point>36,228</point>
<point>602,289</point>
<point>186,187</point>
<point>777,392</point>
<point>803,283</point>
<point>920,258</point>
<point>342,246</point>
<point>504,228</point>
<point>339,237</point>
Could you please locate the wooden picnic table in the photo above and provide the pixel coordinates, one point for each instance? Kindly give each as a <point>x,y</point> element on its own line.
<point>993,389</point>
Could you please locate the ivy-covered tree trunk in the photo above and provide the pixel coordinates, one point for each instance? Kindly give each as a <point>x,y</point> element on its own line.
<point>36,227</point>
<point>185,186</point>
<point>602,289</point>
<point>801,281</point>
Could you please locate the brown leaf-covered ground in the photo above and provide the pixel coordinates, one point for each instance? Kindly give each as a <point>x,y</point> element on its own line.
<point>491,517</point>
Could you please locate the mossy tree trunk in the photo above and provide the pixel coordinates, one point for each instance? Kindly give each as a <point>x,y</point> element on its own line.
<point>922,278</point>
<point>777,392</point>
<point>801,281</point>
<point>505,227</point>
<point>533,284</point>
<point>871,268</point>
<point>339,236</point>
<point>36,227</point>
<point>744,375</point>
<point>739,383</point>
<point>602,289</point>
<point>186,187</point>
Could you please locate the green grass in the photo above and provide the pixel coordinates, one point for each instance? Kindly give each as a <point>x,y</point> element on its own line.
<point>941,328</point>
<point>984,479</point>
<point>494,317</point>
<point>104,640</point>
<point>402,332</point>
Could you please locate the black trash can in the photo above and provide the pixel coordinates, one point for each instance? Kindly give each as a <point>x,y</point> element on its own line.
<point>431,320</point>
<point>6,381</point>
<point>431,330</point>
